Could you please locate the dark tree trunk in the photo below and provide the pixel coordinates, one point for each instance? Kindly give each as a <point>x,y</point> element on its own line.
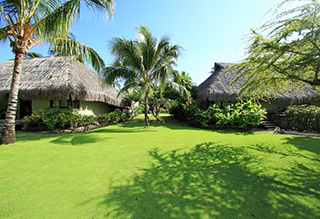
<point>8,134</point>
<point>155,114</point>
<point>146,111</point>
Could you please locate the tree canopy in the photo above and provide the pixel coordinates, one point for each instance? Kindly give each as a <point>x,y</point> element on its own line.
<point>285,55</point>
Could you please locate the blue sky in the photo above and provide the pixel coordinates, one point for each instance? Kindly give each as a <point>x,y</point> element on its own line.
<point>208,30</point>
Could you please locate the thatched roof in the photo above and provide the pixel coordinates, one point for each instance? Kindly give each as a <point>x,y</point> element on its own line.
<point>57,78</point>
<point>218,87</point>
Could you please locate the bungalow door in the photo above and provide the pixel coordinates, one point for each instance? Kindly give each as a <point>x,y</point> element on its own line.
<point>25,108</point>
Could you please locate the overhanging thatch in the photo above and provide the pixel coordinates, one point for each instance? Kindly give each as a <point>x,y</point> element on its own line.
<point>218,87</point>
<point>58,78</point>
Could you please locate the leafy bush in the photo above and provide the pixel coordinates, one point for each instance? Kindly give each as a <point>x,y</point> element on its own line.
<point>83,121</point>
<point>241,115</point>
<point>49,119</point>
<point>246,114</point>
<point>114,117</point>
<point>303,117</point>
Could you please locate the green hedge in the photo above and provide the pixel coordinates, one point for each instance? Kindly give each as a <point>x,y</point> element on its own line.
<point>241,115</point>
<point>114,117</point>
<point>50,119</point>
<point>303,118</point>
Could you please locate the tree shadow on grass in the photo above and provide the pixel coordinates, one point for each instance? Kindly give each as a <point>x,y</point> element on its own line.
<point>211,181</point>
<point>311,144</point>
<point>33,136</point>
<point>140,126</point>
<point>76,140</point>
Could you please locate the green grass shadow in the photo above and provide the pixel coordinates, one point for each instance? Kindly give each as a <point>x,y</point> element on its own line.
<point>212,181</point>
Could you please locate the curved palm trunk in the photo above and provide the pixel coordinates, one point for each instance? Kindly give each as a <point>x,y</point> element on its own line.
<point>8,132</point>
<point>146,111</point>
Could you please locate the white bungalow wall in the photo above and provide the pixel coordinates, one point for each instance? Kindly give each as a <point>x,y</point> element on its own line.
<point>39,104</point>
<point>93,108</point>
<point>86,107</point>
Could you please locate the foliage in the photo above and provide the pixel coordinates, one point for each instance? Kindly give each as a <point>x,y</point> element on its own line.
<point>83,121</point>
<point>303,118</point>
<point>51,119</point>
<point>28,23</point>
<point>185,80</point>
<point>143,65</point>
<point>287,58</point>
<point>242,114</point>
<point>114,117</point>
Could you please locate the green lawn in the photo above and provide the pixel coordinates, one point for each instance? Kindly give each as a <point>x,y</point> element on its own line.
<point>162,171</point>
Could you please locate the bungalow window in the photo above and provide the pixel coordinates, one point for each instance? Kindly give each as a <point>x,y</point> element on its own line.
<point>63,104</point>
<point>53,103</point>
<point>72,104</point>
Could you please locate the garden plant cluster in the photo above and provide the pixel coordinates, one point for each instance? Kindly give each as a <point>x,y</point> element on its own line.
<point>303,118</point>
<point>51,119</point>
<point>239,115</point>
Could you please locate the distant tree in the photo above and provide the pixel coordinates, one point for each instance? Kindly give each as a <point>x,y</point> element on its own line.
<point>185,80</point>
<point>25,23</point>
<point>143,65</point>
<point>288,57</point>
<point>173,91</point>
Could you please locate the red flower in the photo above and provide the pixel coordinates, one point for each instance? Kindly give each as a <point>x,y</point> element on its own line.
<point>189,100</point>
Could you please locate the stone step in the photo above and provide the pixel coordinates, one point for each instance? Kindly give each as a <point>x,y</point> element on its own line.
<point>269,125</point>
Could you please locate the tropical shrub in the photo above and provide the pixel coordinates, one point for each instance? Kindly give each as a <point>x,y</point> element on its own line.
<point>114,117</point>
<point>241,115</point>
<point>303,117</point>
<point>49,119</point>
<point>246,114</point>
<point>83,121</point>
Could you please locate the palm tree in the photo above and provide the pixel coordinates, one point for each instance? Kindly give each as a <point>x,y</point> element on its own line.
<point>25,23</point>
<point>143,64</point>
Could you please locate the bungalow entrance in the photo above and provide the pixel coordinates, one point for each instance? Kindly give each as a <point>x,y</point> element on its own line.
<point>25,108</point>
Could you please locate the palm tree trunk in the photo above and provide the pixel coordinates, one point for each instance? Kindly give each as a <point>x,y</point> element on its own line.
<point>146,111</point>
<point>8,132</point>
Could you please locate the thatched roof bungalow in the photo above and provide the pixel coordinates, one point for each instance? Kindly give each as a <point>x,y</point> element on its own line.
<point>49,81</point>
<point>218,88</point>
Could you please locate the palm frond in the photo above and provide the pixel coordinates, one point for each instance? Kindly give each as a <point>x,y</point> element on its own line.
<point>77,50</point>
<point>103,6</point>
<point>30,55</point>
<point>127,52</point>
<point>122,73</point>
<point>4,33</point>
<point>180,88</point>
<point>147,47</point>
<point>128,85</point>
<point>59,21</point>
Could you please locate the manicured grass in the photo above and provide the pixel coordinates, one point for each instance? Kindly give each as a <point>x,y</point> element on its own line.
<point>162,171</point>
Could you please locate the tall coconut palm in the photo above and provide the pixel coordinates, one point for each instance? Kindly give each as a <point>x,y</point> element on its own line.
<point>25,23</point>
<point>143,64</point>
